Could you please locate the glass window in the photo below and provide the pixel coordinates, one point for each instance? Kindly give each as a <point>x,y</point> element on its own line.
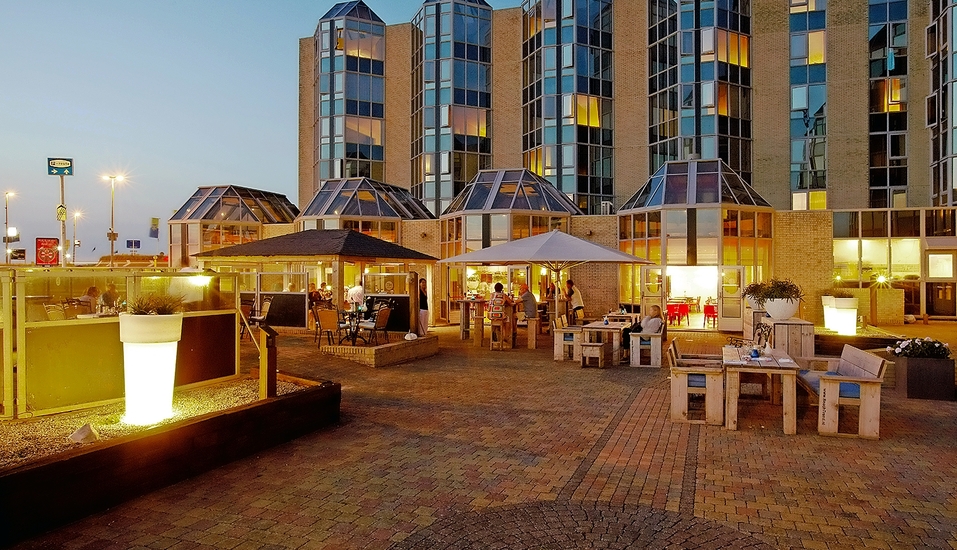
<point>874,223</point>
<point>874,258</point>
<point>845,225</point>
<point>905,258</point>
<point>940,266</point>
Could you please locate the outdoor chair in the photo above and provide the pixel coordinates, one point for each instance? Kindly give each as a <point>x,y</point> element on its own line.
<point>314,311</point>
<point>377,324</point>
<point>567,340</point>
<point>54,312</point>
<point>646,342</point>
<point>711,315</point>
<point>328,324</point>
<point>245,310</point>
<point>697,377</point>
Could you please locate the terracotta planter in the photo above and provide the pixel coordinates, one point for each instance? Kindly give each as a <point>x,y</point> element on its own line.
<point>149,365</point>
<point>926,377</point>
<point>781,309</point>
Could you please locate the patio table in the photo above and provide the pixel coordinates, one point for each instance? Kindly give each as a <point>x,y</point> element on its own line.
<point>352,327</point>
<point>598,331</point>
<point>778,364</point>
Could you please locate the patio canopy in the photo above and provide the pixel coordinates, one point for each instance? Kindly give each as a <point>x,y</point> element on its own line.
<point>555,250</point>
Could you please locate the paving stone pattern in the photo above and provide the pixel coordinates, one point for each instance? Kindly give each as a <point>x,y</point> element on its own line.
<point>480,449</point>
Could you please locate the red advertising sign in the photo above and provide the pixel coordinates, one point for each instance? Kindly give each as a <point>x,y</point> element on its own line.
<point>47,251</point>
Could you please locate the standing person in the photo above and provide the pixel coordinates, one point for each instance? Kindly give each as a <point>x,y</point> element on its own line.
<point>423,308</point>
<point>574,298</point>
<point>528,302</point>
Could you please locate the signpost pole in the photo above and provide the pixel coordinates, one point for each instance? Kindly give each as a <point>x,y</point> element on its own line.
<point>63,246</point>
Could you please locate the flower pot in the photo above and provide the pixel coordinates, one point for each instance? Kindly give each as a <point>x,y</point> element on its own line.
<point>752,304</point>
<point>926,377</point>
<point>781,308</point>
<point>149,365</point>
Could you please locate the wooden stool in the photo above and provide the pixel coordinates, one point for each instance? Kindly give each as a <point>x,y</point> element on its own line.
<point>567,344</point>
<point>595,350</point>
<point>497,337</point>
<point>692,378</point>
<point>532,333</point>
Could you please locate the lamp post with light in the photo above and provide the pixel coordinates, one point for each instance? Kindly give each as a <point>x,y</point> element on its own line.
<point>112,234</point>
<point>6,224</point>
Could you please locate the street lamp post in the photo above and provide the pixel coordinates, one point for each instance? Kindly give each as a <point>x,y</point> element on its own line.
<point>76,215</point>
<point>6,225</point>
<point>112,234</point>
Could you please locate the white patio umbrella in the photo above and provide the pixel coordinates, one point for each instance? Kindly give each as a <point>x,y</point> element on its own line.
<point>555,250</point>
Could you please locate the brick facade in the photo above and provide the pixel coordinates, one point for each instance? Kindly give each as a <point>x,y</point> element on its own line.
<point>630,87</point>
<point>598,282</point>
<point>398,105</point>
<point>507,108</point>
<point>307,121</point>
<point>802,252</point>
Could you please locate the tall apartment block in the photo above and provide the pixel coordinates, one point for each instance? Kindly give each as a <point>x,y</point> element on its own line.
<point>809,101</point>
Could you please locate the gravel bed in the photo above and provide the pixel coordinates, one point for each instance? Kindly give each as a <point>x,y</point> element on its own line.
<point>29,439</point>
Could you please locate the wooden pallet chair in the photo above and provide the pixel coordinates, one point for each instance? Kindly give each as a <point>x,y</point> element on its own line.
<point>696,377</point>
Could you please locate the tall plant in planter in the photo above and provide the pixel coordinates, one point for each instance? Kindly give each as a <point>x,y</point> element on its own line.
<point>924,369</point>
<point>782,298</point>
<point>150,331</point>
<point>755,294</point>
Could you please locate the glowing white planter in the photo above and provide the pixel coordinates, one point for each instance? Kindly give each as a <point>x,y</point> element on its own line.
<point>781,309</point>
<point>828,302</point>
<point>844,316</point>
<point>149,365</point>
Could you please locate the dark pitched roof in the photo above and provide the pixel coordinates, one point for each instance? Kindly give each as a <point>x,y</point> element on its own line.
<point>321,242</point>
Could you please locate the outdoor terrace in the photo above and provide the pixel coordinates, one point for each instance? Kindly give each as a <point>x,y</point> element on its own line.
<point>480,449</point>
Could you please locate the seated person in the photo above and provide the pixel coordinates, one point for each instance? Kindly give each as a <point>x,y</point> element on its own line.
<point>649,324</point>
<point>110,297</point>
<point>90,298</point>
<point>528,301</point>
<point>497,304</point>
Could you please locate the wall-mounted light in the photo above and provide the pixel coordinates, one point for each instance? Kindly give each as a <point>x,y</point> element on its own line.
<point>588,232</point>
<point>424,235</point>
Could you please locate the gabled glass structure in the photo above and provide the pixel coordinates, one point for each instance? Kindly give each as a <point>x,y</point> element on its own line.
<point>698,212</point>
<point>350,93</point>
<point>225,215</point>
<point>362,204</point>
<point>451,97</point>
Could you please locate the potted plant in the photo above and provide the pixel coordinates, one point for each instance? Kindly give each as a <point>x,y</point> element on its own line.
<point>782,297</point>
<point>755,294</point>
<point>150,330</point>
<point>924,368</point>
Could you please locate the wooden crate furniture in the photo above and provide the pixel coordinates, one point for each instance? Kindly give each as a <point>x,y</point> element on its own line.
<point>852,380</point>
<point>567,340</point>
<point>600,351</point>
<point>532,333</point>
<point>646,342</point>
<point>497,336</point>
<point>794,337</point>
<point>700,377</point>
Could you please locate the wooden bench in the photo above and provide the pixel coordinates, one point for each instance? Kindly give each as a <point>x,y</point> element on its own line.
<point>696,377</point>
<point>855,380</point>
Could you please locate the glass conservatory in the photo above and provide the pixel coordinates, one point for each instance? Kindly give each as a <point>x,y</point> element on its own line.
<point>710,232</point>
<point>498,206</point>
<point>226,215</point>
<point>362,204</point>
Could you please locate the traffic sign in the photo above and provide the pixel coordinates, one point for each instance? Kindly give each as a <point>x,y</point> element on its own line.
<point>133,244</point>
<point>59,167</point>
<point>18,254</point>
<point>61,213</point>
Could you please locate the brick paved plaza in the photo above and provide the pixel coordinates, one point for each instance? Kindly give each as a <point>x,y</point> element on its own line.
<point>480,449</point>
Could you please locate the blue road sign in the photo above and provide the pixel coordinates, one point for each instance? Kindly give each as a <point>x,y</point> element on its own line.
<point>59,167</point>
<point>133,244</point>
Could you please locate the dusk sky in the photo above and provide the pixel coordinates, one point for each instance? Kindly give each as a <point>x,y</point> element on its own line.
<point>174,94</point>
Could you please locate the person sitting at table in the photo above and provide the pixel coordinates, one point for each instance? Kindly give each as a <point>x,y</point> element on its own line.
<point>652,323</point>
<point>109,298</point>
<point>497,304</point>
<point>90,298</point>
<point>528,302</point>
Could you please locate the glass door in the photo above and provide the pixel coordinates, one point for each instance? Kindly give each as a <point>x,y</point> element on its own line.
<point>652,287</point>
<point>730,300</point>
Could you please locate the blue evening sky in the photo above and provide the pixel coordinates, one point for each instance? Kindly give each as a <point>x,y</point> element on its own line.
<point>175,94</point>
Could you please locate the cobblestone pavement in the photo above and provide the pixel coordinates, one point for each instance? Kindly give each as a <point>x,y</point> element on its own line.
<point>480,449</point>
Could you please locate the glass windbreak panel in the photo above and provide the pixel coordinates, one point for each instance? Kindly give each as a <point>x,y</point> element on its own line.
<point>846,259</point>
<point>845,225</point>
<point>874,259</point>
<point>905,258</point>
<point>874,223</point>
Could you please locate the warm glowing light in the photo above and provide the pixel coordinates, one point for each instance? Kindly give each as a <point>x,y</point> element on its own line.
<point>881,279</point>
<point>114,178</point>
<point>149,373</point>
<point>200,280</point>
<point>844,321</point>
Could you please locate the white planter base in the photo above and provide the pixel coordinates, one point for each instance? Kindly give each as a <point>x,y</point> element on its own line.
<point>149,365</point>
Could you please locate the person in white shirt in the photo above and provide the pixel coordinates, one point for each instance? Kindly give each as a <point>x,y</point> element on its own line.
<point>575,302</point>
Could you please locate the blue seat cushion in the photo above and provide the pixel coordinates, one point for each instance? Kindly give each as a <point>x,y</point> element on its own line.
<point>696,381</point>
<point>568,337</point>
<point>849,390</point>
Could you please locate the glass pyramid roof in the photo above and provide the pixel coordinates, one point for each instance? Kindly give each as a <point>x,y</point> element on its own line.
<point>687,183</point>
<point>234,203</point>
<point>482,3</point>
<point>517,189</point>
<point>356,9</point>
<point>364,197</point>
